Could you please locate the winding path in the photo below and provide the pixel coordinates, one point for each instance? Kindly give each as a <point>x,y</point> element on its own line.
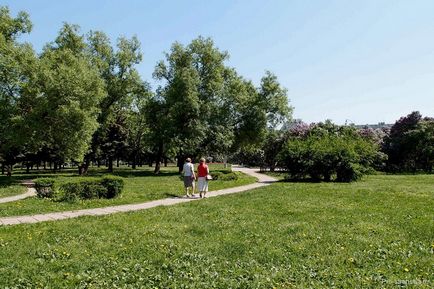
<point>31,192</point>
<point>263,180</point>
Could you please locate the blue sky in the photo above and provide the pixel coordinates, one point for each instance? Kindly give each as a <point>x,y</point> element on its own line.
<point>356,61</point>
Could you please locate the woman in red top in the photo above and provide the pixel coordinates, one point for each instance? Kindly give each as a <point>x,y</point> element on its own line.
<point>202,182</point>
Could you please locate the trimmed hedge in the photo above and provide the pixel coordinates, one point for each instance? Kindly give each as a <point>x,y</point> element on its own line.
<point>45,187</point>
<point>80,188</point>
<point>114,186</point>
<point>224,176</point>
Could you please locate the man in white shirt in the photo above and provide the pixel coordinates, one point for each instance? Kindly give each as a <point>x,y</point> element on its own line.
<point>189,177</point>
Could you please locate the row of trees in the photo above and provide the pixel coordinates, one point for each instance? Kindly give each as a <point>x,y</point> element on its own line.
<point>81,100</point>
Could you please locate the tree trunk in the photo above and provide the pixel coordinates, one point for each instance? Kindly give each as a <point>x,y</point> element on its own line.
<point>180,163</point>
<point>84,167</point>
<point>3,168</point>
<point>110,164</point>
<point>133,165</point>
<point>27,168</point>
<point>9,169</point>
<point>117,162</point>
<point>165,162</point>
<point>158,159</point>
<point>157,167</point>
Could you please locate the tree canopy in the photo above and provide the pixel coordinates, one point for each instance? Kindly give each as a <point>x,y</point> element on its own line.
<point>82,100</point>
<point>410,144</point>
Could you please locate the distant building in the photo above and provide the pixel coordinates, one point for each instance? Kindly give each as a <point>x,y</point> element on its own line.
<point>380,125</point>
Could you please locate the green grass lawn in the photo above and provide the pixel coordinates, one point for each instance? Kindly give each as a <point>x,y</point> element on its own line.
<point>10,187</point>
<point>11,190</point>
<point>376,233</point>
<point>141,185</point>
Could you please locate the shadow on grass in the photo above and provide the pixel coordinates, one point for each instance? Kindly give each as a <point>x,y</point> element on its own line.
<point>20,175</point>
<point>131,173</point>
<point>307,180</point>
<point>174,196</point>
<point>8,181</point>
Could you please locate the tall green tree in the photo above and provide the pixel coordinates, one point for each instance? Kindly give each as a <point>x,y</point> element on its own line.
<point>423,138</point>
<point>176,106</point>
<point>409,145</point>
<point>122,84</point>
<point>17,65</point>
<point>274,101</point>
<point>137,125</point>
<point>69,92</point>
<point>259,111</point>
<point>208,108</point>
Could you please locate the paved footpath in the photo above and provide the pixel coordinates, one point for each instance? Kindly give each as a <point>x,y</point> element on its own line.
<point>31,192</point>
<point>263,180</point>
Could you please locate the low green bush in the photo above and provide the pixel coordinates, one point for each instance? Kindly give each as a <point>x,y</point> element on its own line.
<point>81,188</point>
<point>229,176</point>
<point>113,185</point>
<point>224,176</point>
<point>216,175</point>
<point>45,187</point>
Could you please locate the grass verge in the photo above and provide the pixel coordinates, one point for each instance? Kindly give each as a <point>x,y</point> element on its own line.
<point>10,187</point>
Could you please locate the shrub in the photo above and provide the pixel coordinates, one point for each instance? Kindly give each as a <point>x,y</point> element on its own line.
<point>348,172</point>
<point>113,185</point>
<point>80,188</point>
<point>45,187</point>
<point>216,175</point>
<point>224,176</point>
<point>229,176</point>
<point>70,192</point>
<point>249,156</point>
<point>328,152</point>
<point>410,144</point>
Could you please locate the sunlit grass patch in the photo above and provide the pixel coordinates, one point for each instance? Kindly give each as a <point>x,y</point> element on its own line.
<point>287,235</point>
<point>141,185</point>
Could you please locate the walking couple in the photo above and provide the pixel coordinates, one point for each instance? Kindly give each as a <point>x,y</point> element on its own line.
<point>190,177</point>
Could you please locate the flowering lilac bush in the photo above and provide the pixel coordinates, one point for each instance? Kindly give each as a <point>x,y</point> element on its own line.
<point>326,151</point>
<point>376,135</point>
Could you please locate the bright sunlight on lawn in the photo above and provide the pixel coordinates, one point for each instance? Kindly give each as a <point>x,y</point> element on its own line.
<point>371,234</point>
<point>141,185</point>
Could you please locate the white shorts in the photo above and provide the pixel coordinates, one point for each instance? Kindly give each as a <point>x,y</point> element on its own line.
<point>202,184</point>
